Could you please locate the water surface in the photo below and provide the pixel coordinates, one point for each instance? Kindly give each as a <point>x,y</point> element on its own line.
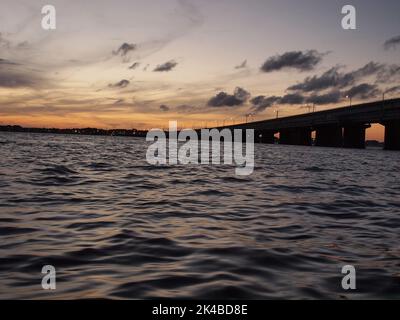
<point>115,227</point>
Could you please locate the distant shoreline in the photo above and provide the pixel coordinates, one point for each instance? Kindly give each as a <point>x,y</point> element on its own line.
<point>77,131</point>
<point>112,132</point>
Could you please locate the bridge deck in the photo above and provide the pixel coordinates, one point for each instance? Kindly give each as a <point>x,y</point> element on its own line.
<point>373,112</point>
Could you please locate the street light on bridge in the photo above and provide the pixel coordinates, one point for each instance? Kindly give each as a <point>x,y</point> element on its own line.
<point>249,115</point>
<point>349,97</point>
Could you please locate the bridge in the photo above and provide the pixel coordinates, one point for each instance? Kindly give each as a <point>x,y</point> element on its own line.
<point>340,127</point>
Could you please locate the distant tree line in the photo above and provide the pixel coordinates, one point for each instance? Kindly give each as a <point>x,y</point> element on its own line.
<point>83,131</point>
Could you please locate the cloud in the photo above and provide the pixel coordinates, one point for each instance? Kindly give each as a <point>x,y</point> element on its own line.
<point>184,108</point>
<point>185,16</point>
<point>17,80</point>
<point>164,108</point>
<point>363,91</point>
<point>242,65</point>
<point>120,84</point>
<point>328,87</point>
<point>260,103</point>
<point>12,75</point>
<point>124,49</point>
<point>191,13</point>
<point>394,89</point>
<point>330,78</point>
<point>388,74</point>
<point>327,98</point>
<point>241,94</point>
<point>4,42</point>
<point>369,69</point>
<point>7,62</point>
<point>134,65</point>
<point>303,61</point>
<point>223,99</point>
<point>333,78</point>
<point>293,98</point>
<point>392,43</point>
<point>165,67</point>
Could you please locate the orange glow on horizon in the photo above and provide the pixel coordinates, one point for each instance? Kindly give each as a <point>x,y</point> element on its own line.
<point>376,132</point>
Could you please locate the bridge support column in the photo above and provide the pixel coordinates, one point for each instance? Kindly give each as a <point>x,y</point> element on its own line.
<point>242,136</point>
<point>329,136</point>
<point>354,135</point>
<point>295,136</point>
<point>264,136</point>
<point>392,135</point>
<point>246,137</point>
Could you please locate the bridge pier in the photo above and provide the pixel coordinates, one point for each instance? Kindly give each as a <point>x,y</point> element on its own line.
<point>264,136</point>
<point>329,136</point>
<point>295,136</point>
<point>392,135</point>
<point>354,135</point>
<point>243,135</point>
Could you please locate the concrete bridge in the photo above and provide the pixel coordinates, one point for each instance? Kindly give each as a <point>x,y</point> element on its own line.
<point>340,127</point>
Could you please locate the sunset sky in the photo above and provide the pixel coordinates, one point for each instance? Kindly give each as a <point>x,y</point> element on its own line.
<point>140,63</point>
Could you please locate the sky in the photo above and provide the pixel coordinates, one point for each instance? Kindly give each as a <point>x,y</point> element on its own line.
<point>139,64</point>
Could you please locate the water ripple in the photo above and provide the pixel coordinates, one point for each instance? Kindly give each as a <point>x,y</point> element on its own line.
<point>116,227</point>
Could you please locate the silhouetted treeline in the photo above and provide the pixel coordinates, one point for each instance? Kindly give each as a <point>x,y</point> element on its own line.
<point>85,131</point>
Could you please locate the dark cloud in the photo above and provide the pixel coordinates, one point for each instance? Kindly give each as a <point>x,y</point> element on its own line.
<point>12,75</point>
<point>371,68</point>
<point>134,65</point>
<point>328,87</point>
<point>163,107</point>
<point>260,103</point>
<point>223,99</point>
<point>327,98</point>
<point>241,94</point>
<point>333,78</point>
<point>7,62</point>
<point>330,78</point>
<point>293,98</point>
<point>303,61</point>
<point>165,67</point>
<point>120,84</point>
<point>391,90</point>
<point>363,91</point>
<point>9,79</point>
<point>124,49</point>
<point>389,74</point>
<point>392,43</point>
<point>184,108</point>
<point>242,65</point>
